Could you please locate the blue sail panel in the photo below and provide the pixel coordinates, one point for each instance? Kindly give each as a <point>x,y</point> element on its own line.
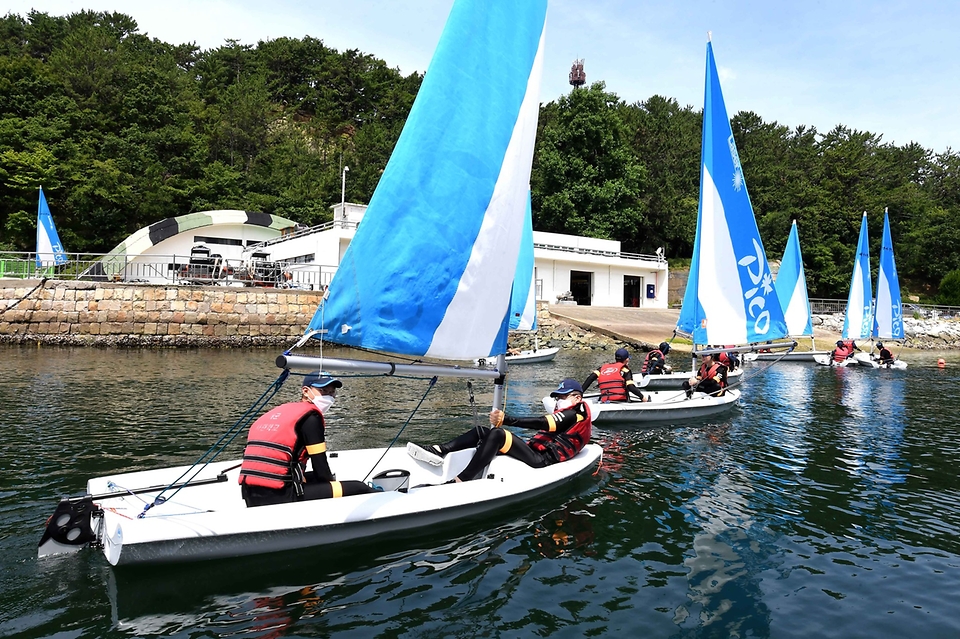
<point>736,301</point>
<point>858,320</point>
<point>523,300</point>
<point>431,267</point>
<point>49,249</point>
<point>888,311</point>
<point>791,285</point>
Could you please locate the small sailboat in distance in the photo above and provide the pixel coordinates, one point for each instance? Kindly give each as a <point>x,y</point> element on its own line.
<point>858,317</point>
<point>49,249</point>
<point>888,309</point>
<point>791,285</point>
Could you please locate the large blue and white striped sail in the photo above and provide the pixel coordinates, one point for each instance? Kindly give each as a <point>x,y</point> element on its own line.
<point>49,249</point>
<point>888,311</point>
<point>858,320</point>
<point>523,301</point>
<point>431,268</point>
<point>791,285</point>
<point>730,297</point>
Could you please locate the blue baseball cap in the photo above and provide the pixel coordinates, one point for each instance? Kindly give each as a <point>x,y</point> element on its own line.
<point>621,354</point>
<point>566,387</point>
<point>316,380</point>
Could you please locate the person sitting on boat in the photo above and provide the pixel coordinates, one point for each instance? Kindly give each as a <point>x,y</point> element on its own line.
<point>844,350</point>
<point>615,380</point>
<point>711,377</point>
<point>561,436</point>
<point>655,363</point>
<point>279,444</point>
<point>885,356</point>
<point>728,359</point>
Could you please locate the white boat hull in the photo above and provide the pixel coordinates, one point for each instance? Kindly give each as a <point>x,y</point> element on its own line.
<point>827,360</point>
<point>674,381</point>
<point>524,357</point>
<point>211,521</point>
<point>664,407</point>
<point>869,361</point>
<point>795,356</point>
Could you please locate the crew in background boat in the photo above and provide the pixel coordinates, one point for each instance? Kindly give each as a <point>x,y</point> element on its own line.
<point>655,363</point>
<point>279,444</point>
<point>844,350</point>
<point>729,359</point>
<point>711,377</point>
<point>615,380</point>
<point>885,356</point>
<point>561,436</point>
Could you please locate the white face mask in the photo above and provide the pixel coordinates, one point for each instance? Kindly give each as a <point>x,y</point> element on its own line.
<point>324,402</point>
<point>565,402</point>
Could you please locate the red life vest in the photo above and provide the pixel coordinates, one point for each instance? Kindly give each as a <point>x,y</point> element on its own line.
<point>841,353</point>
<point>705,373</point>
<point>610,381</point>
<point>648,360</point>
<point>567,444</point>
<point>272,449</point>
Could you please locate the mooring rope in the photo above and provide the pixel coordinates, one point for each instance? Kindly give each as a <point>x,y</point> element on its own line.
<point>42,282</point>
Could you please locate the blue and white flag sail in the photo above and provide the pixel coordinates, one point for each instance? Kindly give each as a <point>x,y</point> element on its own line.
<point>523,300</point>
<point>888,318</point>
<point>730,297</point>
<point>431,268</point>
<point>49,249</point>
<point>858,320</point>
<point>791,285</point>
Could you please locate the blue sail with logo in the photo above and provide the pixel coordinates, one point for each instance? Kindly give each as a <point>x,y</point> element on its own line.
<point>49,249</point>
<point>431,267</point>
<point>791,285</point>
<point>730,296</point>
<point>888,311</point>
<point>858,319</point>
<point>523,300</point>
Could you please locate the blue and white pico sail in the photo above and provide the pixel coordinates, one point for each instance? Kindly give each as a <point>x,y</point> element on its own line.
<point>791,285</point>
<point>429,272</point>
<point>888,311</point>
<point>431,268</point>
<point>523,300</point>
<point>858,320</point>
<point>49,249</point>
<point>730,296</point>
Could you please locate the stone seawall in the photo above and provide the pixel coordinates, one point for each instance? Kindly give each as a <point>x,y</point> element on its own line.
<point>118,314</point>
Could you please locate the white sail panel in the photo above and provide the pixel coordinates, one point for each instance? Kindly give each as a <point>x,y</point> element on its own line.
<point>888,318</point>
<point>858,320</point>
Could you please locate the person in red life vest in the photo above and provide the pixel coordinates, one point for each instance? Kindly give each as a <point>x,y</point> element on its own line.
<point>279,444</point>
<point>886,357</point>
<point>844,350</point>
<point>615,380</point>
<point>561,435</point>
<point>655,363</point>
<point>710,379</point>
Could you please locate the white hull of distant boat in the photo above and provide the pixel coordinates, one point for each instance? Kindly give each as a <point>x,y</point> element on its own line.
<point>524,357</point>
<point>794,356</point>
<point>674,381</point>
<point>827,360</point>
<point>663,407</point>
<point>868,360</point>
<point>210,520</point>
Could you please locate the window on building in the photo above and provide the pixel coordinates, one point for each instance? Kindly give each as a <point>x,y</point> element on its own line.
<point>226,241</point>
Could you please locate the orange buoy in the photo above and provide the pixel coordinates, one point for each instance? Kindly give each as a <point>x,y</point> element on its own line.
<point>941,363</point>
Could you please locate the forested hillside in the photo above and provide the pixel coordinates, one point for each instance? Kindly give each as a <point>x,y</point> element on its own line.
<point>122,130</point>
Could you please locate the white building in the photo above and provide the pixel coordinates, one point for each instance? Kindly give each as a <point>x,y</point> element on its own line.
<point>594,272</point>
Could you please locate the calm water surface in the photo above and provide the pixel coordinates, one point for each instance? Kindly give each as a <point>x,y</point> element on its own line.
<point>826,505</point>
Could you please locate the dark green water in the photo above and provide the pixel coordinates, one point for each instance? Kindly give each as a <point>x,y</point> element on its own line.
<point>826,505</point>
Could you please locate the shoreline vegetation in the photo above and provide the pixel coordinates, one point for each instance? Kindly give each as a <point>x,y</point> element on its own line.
<point>125,316</point>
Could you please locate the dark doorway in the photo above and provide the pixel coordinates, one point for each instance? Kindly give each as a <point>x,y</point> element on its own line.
<point>632,290</point>
<point>581,286</point>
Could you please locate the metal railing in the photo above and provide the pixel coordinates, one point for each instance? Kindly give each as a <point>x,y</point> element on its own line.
<point>168,269</point>
<point>819,306</point>
<point>307,230</point>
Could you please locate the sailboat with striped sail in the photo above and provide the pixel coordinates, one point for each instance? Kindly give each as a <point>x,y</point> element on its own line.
<point>791,285</point>
<point>858,317</point>
<point>429,274</point>
<point>888,308</point>
<point>49,248</point>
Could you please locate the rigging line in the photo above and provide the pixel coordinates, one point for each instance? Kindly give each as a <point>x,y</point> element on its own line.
<point>232,432</point>
<point>420,403</point>
<point>10,306</point>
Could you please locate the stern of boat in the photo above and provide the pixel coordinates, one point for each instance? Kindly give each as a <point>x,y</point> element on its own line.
<point>75,523</point>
